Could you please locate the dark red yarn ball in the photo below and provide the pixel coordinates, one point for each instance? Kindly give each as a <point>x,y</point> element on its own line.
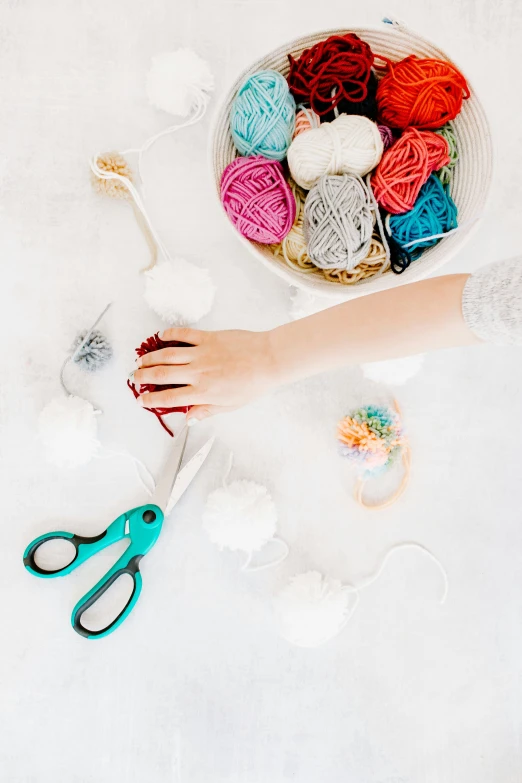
<point>154,343</point>
<point>331,71</point>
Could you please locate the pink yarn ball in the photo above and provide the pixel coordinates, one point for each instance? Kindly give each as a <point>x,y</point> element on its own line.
<point>257,199</point>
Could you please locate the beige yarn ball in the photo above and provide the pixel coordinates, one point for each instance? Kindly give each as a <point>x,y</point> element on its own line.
<point>351,144</point>
<point>112,162</point>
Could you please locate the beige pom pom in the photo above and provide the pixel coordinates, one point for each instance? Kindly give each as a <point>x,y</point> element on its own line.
<point>114,163</point>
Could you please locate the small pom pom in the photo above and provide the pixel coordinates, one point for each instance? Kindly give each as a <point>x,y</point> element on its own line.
<point>179,292</point>
<point>178,81</point>
<point>394,372</point>
<point>67,428</point>
<point>95,353</point>
<point>312,609</point>
<point>240,516</point>
<point>371,437</point>
<point>112,163</point>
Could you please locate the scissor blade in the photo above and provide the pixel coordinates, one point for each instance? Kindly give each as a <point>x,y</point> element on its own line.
<point>188,473</point>
<point>170,472</point>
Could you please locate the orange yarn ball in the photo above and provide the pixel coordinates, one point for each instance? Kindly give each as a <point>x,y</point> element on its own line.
<point>406,166</point>
<point>425,93</point>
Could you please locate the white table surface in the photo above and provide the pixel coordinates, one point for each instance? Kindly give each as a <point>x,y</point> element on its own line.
<point>197,686</point>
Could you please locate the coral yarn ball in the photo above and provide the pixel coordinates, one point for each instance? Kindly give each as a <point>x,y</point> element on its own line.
<point>262,118</point>
<point>425,93</point>
<point>257,199</point>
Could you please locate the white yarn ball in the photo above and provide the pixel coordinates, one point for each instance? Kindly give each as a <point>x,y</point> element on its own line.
<point>351,144</point>
<point>179,292</point>
<point>312,609</point>
<point>177,81</point>
<point>394,372</point>
<point>68,429</point>
<point>240,516</point>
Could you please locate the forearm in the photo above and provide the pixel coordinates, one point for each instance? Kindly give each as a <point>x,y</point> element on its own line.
<point>411,319</point>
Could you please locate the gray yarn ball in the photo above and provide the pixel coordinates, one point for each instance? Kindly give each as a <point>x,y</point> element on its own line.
<point>339,215</point>
<point>95,353</point>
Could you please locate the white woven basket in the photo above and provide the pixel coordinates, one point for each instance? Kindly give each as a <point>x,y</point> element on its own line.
<point>472,174</point>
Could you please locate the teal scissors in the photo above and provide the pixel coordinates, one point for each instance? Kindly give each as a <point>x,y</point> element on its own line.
<point>141,525</point>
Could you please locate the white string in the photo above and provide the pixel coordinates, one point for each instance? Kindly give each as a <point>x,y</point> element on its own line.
<point>138,464</point>
<point>228,471</point>
<point>286,551</point>
<point>436,236</point>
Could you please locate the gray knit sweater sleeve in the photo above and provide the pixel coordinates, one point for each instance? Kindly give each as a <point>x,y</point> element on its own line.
<point>492,302</point>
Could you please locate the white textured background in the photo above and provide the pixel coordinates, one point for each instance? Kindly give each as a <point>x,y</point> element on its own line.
<point>197,687</point>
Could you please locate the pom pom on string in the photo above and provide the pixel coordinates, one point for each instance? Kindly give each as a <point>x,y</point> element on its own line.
<point>257,199</point>
<point>312,609</point>
<point>305,120</point>
<point>179,82</point>
<point>433,216</point>
<point>445,174</point>
<point>262,118</point>
<point>372,438</point>
<point>421,92</point>
<point>338,221</point>
<point>348,145</point>
<point>179,292</point>
<point>155,343</point>
<point>241,516</point>
<point>405,168</point>
<point>332,73</point>
<point>91,351</point>
<point>395,372</point>
<point>294,251</point>
<point>68,430</point>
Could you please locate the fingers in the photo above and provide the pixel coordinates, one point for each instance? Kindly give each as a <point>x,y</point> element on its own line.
<point>166,356</point>
<point>169,398</point>
<point>184,334</point>
<point>163,375</point>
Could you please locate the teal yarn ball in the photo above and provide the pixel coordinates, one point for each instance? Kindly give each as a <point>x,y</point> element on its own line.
<point>434,213</point>
<point>262,117</point>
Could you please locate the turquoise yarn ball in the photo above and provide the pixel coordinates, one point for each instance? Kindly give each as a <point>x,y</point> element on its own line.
<point>434,213</point>
<point>262,118</point>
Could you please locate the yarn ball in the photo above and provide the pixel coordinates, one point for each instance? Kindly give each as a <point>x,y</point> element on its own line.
<point>179,292</point>
<point>338,221</point>
<point>422,92</point>
<point>434,213</point>
<point>240,516</point>
<point>68,430</point>
<point>332,72</point>
<point>312,609</point>
<point>179,81</point>
<point>155,343</point>
<point>95,352</point>
<point>405,168</point>
<point>371,437</point>
<point>262,118</point>
<point>112,162</point>
<point>257,199</point>
<point>348,145</point>
<point>445,174</point>
<point>305,120</point>
<point>386,135</point>
<point>394,372</point>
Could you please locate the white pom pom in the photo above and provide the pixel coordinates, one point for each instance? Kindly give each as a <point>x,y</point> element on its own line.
<point>179,292</point>
<point>68,429</point>
<point>312,609</point>
<point>304,303</point>
<point>394,372</point>
<point>178,81</point>
<point>240,516</point>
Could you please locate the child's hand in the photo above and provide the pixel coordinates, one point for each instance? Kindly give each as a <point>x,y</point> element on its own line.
<point>220,371</point>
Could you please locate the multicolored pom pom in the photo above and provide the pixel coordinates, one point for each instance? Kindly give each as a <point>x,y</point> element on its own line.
<point>371,437</point>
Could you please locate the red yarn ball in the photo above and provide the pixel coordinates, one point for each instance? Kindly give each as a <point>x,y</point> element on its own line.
<point>425,93</point>
<point>331,71</point>
<point>257,199</point>
<point>154,343</point>
<point>406,166</point>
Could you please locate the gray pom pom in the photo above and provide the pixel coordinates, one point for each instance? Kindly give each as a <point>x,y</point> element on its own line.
<point>95,353</point>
